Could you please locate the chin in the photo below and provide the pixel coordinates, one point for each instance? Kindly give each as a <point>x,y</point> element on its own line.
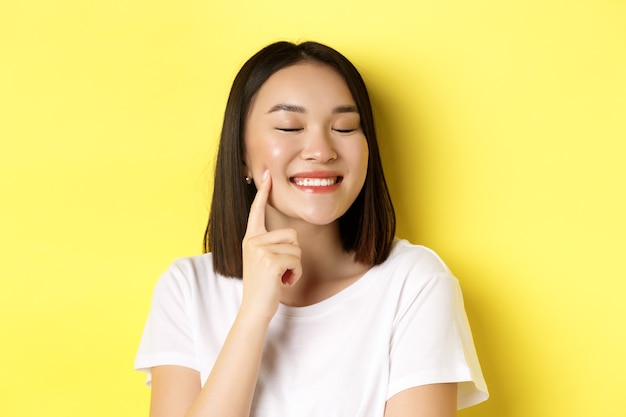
<point>318,219</point>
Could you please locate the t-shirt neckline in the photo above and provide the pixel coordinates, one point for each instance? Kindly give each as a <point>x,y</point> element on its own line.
<point>336,300</point>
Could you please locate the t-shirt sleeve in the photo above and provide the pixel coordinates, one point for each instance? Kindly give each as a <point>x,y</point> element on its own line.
<point>168,336</point>
<point>432,342</point>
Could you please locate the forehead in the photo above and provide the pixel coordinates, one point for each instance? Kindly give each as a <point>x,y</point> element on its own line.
<point>306,84</point>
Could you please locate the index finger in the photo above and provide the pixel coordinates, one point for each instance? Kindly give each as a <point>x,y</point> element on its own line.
<point>256,218</point>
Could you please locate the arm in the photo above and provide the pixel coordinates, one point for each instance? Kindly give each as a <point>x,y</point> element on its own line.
<point>174,389</point>
<point>271,259</point>
<point>230,387</point>
<point>434,400</point>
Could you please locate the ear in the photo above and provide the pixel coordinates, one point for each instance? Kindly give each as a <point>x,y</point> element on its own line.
<point>245,171</point>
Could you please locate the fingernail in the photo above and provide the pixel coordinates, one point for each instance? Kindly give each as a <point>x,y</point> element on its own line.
<point>266,174</point>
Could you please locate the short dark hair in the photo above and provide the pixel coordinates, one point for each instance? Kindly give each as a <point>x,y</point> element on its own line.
<point>368,226</point>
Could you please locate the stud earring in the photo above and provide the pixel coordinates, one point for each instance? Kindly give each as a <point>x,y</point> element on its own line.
<point>248,180</point>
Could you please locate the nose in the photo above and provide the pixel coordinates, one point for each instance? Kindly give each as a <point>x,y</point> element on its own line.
<point>318,147</point>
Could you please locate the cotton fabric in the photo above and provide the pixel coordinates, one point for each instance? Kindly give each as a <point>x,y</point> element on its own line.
<point>401,325</point>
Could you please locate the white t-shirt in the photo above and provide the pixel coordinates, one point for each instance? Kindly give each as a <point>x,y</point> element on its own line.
<point>401,325</point>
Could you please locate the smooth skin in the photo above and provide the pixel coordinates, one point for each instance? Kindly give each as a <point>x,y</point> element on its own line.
<point>291,254</point>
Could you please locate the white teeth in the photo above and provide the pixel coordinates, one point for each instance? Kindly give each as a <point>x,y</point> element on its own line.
<point>315,182</point>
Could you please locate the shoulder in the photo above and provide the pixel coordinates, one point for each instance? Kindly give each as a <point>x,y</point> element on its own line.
<point>419,259</point>
<point>188,276</point>
<point>192,266</point>
<point>415,272</point>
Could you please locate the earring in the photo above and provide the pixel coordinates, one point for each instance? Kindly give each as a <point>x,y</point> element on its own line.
<point>248,180</point>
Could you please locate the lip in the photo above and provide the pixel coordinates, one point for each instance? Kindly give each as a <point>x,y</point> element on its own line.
<point>317,175</point>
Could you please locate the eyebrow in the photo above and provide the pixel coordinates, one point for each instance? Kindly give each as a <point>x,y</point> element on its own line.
<point>287,107</point>
<point>299,109</point>
<point>345,109</point>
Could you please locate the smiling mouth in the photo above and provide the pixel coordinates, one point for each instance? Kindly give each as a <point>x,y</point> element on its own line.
<point>316,182</point>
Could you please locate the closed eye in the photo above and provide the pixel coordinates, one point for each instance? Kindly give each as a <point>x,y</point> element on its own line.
<point>344,130</point>
<point>289,129</point>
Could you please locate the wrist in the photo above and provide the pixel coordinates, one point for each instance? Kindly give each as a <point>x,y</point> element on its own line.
<point>255,317</point>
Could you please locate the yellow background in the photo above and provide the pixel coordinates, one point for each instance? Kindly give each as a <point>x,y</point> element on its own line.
<point>503,132</point>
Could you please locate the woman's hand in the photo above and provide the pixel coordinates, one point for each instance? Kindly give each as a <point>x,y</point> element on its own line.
<point>271,260</point>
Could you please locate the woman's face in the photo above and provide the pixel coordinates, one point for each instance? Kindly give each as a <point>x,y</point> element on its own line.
<point>304,127</point>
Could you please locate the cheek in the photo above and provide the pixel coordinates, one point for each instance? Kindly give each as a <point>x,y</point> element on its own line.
<point>363,157</point>
<point>274,153</point>
<point>267,153</point>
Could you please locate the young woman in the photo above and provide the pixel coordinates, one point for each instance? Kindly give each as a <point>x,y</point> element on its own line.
<point>305,303</point>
